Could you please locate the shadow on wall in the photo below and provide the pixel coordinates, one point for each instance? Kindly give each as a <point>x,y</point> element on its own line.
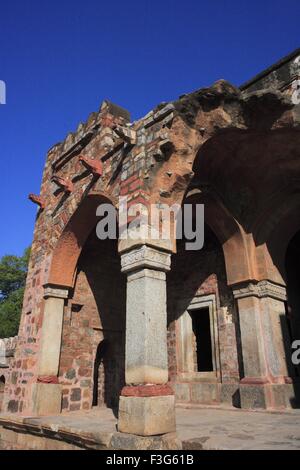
<point>107,285</point>
<point>290,324</point>
<point>203,273</point>
<point>99,364</point>
<point>2,386</point>
<point>107,377</point>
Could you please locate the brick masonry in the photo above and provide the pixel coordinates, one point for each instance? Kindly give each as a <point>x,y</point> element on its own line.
<point>211,141</point>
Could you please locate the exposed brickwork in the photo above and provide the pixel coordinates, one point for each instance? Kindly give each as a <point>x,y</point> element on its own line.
<point>211,140</point>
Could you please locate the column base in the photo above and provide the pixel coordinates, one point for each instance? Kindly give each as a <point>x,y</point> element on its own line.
<point>122,441</point>
<point>272,396</point>
<point>285,395</point>
<point>147,416</point>
<point>254,396</point>
<point>46,399</point>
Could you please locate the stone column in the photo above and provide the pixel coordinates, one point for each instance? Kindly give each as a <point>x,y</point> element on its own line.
<point>265,344</point>
<point>147,404</point>
<point>47,391</point>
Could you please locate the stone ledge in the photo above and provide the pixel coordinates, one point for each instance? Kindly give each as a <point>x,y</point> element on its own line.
<point>31,433</point>
<point>76,436</point>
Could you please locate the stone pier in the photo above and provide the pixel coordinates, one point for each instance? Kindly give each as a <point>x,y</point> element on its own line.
<point>147,403</point>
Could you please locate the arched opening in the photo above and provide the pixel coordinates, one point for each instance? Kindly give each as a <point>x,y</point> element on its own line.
<point>93,341</point>
<point>92,360</point>
<point>100,365</point>
<point>69,246</point>
<point>202,342</point>
<point>2,386</point>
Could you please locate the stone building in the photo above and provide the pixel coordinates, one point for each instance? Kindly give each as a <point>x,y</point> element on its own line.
<point>135,324</point>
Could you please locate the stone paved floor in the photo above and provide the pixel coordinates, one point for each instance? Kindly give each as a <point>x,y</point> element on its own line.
<point>200,428</point>
<point>237,429</point>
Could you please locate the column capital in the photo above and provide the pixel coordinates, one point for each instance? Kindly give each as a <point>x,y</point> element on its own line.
<point>128,244</point>
<point>260,289</point>
<point>145,257</point>
<point>57,292</point>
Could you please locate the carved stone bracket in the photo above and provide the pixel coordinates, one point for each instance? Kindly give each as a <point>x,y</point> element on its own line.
<point>55,291</point>
<point>145,257</point>
<point>260,289</point>
<point>64,184</point>
<point>95,166</point>
<point>37,200</point>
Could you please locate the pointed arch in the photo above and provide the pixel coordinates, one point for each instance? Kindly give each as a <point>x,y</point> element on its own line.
<point>73,238</point>
<point>236,247</point>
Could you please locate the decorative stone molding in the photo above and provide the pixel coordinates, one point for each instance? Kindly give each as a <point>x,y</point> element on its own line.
<point>260,289</point>
<point>62,183</point>
<point>47,379</point>
<point>146,273</point>
<point>56,292</point>
<point>147,390</point>
<point>145,257</point>
<point>162,245</point>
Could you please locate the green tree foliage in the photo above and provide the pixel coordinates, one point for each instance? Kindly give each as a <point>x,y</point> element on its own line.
<point>13,271</point>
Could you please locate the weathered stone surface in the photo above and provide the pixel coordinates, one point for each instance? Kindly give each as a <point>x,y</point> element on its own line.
<point>230,395</point>
<point>146,390</point>
<point>182,392</point>
<point>123,441</point>
<point>205,393</point>
<point>147,416</point>
<point>46,399</point>
<point>51,336</point>
<point>254,396</point>
<point>146,331</point>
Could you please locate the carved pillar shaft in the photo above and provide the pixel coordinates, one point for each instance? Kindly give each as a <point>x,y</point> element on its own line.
<point>47,391</point>
<point>147,405</point>
<point>146,320</point>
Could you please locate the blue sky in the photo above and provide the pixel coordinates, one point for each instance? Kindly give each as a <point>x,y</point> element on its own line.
<point>60,59</point>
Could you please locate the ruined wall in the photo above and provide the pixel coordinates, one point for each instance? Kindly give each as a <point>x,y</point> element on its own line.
<point>279,76</point>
